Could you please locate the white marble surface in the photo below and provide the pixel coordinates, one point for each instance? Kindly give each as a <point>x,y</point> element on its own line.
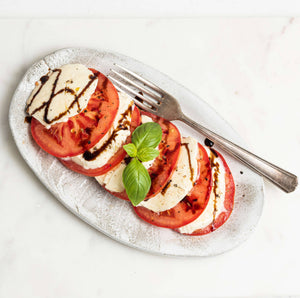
<point>148,8</point>
<point>248,69</point>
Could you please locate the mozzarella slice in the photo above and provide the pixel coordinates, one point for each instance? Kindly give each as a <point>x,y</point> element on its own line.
<point>216,201</point>
<point>113,139</point>
<point>73,86</point>
<point>112,180</point>
<point>146,119</point>
<point>182,180</point>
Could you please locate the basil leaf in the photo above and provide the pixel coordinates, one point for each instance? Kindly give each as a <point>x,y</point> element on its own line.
<point>146,154</point>
<point>147,135</point>
<point>130,149</point>
<point>137,181</point>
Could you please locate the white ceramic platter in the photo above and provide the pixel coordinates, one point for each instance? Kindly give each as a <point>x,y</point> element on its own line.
<point>114,217</point>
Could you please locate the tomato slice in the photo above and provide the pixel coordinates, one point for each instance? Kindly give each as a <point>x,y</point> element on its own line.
<point>82,131</point>
<point>165,164</point>
<point>228,202</point>
<point>113,161</point>
<point>190,207</point>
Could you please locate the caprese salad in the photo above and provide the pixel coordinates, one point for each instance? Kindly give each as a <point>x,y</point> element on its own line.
<point>172,181</point>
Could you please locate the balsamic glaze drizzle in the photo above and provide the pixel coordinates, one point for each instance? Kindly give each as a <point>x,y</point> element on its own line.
<point>122,125</point>
<point>189,156</point>
<point>164,190</point>
<point>27,119</point>
<point>215,165</point>
<point>47,103</point>
<point>208,142</point>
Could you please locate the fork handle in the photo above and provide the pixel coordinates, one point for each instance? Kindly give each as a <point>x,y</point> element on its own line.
<point>283,179</point>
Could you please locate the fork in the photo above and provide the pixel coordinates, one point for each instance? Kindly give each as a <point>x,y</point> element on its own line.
<point>153,99</point>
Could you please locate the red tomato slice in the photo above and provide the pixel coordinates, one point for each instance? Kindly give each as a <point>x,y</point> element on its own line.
<point>228,202</point>
<point>165,164</point>
<point>114,161</point>
<point>190,207</point>
<point>82,131</point>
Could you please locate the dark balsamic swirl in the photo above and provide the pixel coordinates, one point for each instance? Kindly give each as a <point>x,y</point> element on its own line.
<point>214,164</point>
<point>164,190</point>
<point>46,104</point>
<point>122,125</point>
<point>190,162</point>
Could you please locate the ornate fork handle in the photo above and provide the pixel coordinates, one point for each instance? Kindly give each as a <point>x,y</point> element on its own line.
<point>162,104</point>
<point>283,179</point>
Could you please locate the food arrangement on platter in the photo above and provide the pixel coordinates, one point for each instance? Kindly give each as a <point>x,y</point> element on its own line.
<point>172,181</point>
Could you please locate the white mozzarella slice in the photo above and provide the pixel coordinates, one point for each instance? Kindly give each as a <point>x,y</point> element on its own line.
<point>146,119</point>
<point>68,79</point>
<point>123,120</point>
<point>112,180</point>
<point>182,180</point>
<point>216,201</point>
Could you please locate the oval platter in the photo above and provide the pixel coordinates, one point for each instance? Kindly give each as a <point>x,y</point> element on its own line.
<point>111,216</point>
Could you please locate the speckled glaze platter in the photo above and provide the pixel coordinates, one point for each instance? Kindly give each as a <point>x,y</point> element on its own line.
<point>114,217</point>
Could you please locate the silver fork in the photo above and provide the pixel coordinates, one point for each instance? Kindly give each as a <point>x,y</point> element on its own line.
<point>162,104</point>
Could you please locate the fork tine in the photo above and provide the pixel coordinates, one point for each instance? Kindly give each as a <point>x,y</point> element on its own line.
<point>146,82</point>
<point>136,101</point>
<point>118,88</point>
<point>151,94</point>
<point>150,102</point>
<point>142,106</point>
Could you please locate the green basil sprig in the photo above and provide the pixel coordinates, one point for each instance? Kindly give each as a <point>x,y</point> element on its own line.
<point>136,178</point>
<point>137,181</point>
<point>147,135</point>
